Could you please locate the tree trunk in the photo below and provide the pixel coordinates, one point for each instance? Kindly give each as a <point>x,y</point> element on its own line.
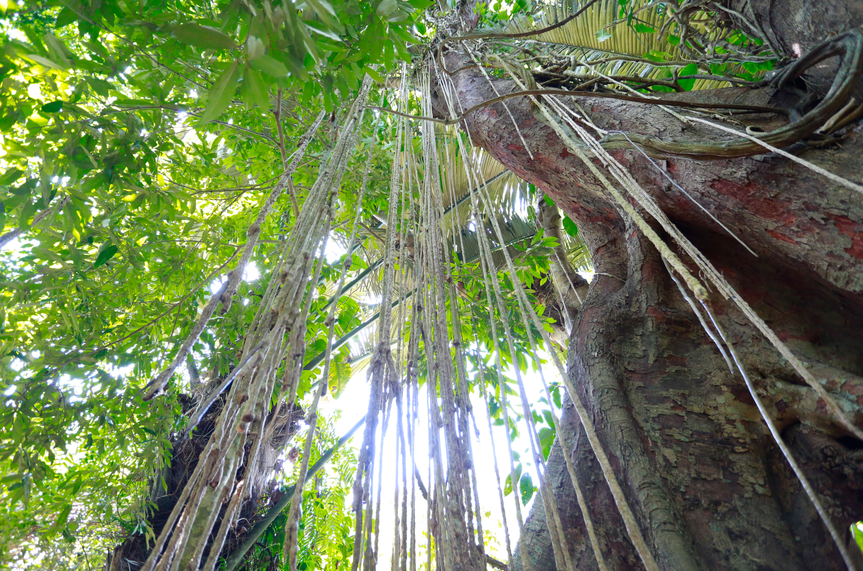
<point>708,485</point>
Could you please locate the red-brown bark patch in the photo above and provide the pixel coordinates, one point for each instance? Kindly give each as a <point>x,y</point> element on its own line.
<point>782,237</point>
<point>851,229</point>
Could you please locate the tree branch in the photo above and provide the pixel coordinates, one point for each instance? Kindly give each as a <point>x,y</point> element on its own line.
<point>566,93</point>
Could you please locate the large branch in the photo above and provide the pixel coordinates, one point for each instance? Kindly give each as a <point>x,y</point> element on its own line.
<point>773,205</point>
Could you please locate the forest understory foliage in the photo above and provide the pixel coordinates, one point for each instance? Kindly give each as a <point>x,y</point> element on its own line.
<point>596,265</point>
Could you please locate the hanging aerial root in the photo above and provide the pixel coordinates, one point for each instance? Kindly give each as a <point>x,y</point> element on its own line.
<point>628,516</point>
<point>233,560</point>
<point>243,426</point>
<point>486,272</point>
<point>553,516</point>
<point>701,320</point>
<point>684,191</point>
<point>717,280</point>
<point>666,253</point>
<point>226,294</point>
<point>634,532</point>
<point>764,144</point>
<point>381,373</point>
<point>505,106</point>
<point>290,545</point>
<point>768,420</point>
<point>849,45</point>
<point>457,119</point>
<point>456,540</point>
<point>552,507</point>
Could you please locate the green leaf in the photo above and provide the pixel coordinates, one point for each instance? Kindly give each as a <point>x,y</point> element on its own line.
<point>643,28</point>
<point>27,214</point>
<point>569,226</point>
<point>305,382</point>
<point>377,77</point>
<point>602,35</point>
<point>656,55</point>
<point>254,90</point>
<point>420,4</point>
<point>60,522</point>
<point>526,488</point>
<point>326,13</point>
<point>44,62</point>
<point>15,495</point>
<point>52,107</point>
<point>398,16</point>
<point>688,84</point>
<point>65,17</point>
<point>857,530</point>
<point>546,439</point>
<point>106,253</point>
<point>100,86</point>
<point>403,34</point>
<point>386,7</point>
<point>340,374</point>
<point>269,65</point>
<point>9,119</point>
<point>555,396</point>
<point>219,97</point>
<point>11,176</point>
<point>322,30</point>
<point>507,485</point>
<point>203,37</point>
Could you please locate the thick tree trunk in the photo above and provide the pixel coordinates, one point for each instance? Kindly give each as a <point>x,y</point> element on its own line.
<point>708,485</point>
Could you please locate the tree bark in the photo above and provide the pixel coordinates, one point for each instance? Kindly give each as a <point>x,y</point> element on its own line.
<point>707,483</point>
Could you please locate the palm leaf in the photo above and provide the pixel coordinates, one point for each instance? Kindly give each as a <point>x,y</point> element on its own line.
<point>582,31</point>
<point>500,184</point>
<point>594,36</point>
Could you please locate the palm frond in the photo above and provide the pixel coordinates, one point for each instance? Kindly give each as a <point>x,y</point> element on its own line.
<point>500,184</point>
<point>577,252</point>
<point>600,36</point>
<point>582,31</point>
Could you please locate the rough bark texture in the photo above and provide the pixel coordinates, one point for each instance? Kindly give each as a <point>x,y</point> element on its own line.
<point>699,468</point>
